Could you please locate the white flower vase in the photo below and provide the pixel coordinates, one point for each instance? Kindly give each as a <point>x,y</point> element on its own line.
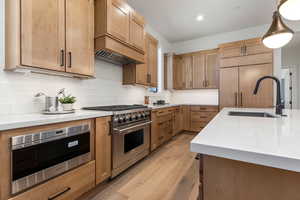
<point>67,107</point>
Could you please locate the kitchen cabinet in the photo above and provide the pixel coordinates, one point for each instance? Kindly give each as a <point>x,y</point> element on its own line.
<point>237,86</point>
<point>103,147</point>
<point>200,116</point>
<point>62,39</point>
<point>178,73</point>
<point>197,70</point>
<point>245,52</point>
<point>65,187</point>
<point>144,74</point>
<point>161,127</point>
<point>137,30</point>
<point>177,121</point>
<point>119,32</point>
<point>186,117</point>
<point>74,182</point>
<point>80,37</point>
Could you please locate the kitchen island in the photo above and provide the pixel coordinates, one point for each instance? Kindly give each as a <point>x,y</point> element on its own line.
<point>250,157</point>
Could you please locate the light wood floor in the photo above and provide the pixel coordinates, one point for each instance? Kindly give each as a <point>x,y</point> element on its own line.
<point>170,173</point>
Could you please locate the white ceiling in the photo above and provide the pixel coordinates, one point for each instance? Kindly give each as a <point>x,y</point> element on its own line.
<point>175,19</point>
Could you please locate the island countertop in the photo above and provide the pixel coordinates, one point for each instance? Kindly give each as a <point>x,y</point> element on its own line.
<point>272,142</point>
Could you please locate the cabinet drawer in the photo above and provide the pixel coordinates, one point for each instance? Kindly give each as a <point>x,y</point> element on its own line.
<point>164,118</point>
<point>247,60</point>
<point>205,108</point>
<point>197,126</point>
<point>202,116</point>
<point>68,186</point>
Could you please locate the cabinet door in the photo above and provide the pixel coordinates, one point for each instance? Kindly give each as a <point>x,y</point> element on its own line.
<point>229,87</point>
<point>255,46</point>
<point>43,34</point>
<point>233,49</point>
<point>118,19</point>
<point>152,52</point>
<point>137,24</point>
<point>155,133</point>
<point>80,36</point>
<point>186,118</point>
<point>248,78</point>
<point>178,73</point>
<point>212,73</point>
<point>103,149</point>
<point>198,71</point>
<point>142,69</point>
<point>188,71</point>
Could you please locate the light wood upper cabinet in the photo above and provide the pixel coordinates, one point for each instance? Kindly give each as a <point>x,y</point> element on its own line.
<point>43,34</point>
<point>187,61</point>
<point>50,35</point>
<point>199,70</point>
<point>252,51</point>
<point>80,36</point>
<point>233,49</point>
<point>229,87</point>
<point>248,78</point>
<point>178,73</point>
<point>211,70</point>
<point>103,149</point>
<point>118,19</point>
<point>152,60</point>
<point>144,74</point>
<point>137,30</point>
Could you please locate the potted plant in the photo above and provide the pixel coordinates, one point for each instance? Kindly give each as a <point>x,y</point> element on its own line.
<point>67,102</point>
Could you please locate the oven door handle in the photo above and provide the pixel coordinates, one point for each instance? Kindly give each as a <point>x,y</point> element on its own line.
<point>132,127</point>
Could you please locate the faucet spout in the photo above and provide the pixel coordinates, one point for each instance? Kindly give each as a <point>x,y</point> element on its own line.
<point>279,105</point>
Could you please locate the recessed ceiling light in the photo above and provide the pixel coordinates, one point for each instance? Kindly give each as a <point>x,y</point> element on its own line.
<point>200,17</point>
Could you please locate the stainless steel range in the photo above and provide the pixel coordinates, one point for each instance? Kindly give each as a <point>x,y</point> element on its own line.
<point>130,134</point>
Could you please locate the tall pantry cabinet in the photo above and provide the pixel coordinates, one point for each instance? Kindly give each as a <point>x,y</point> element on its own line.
<point>242,64</point>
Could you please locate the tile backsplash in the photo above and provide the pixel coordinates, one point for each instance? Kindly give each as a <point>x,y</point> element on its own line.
<point>18,89</point>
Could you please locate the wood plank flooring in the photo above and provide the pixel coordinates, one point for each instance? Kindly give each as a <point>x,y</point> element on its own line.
<point>170,173</point>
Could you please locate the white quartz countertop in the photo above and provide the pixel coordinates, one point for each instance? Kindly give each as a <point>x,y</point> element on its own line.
<point>272,142</point>
<point>8,122</point>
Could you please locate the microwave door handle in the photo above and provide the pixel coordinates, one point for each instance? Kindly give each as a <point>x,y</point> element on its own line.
<point>132,127</point>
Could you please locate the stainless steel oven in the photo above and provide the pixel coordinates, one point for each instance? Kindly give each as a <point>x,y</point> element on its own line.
<point>37,157</point>
<point>131,143</point>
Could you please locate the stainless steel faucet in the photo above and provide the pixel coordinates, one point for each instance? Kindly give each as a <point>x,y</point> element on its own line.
<point>279,105</point>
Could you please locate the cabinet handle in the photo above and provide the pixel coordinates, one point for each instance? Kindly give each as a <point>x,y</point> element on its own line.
<point>62,58</point>
<point>59,194</point>
<point>241,99</point>
<point>236,99</point>
<point>70,59</point>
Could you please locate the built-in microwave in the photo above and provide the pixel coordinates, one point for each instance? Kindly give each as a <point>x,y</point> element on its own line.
<point>38,157</point>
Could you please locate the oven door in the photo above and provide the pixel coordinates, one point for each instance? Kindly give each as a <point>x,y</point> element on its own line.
<point>130,144</point>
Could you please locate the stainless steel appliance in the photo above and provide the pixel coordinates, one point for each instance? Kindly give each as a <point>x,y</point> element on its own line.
<point>37,157</point>
<point>130,135</point>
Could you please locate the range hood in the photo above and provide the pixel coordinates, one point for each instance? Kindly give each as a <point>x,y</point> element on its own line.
<point>113,51</point>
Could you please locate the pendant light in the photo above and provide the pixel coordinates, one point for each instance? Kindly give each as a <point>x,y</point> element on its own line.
<point>290,9</point>
<point>279,34</point>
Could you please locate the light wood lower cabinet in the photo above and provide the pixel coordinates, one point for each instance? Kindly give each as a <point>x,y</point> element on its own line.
<point>201,116</point>
<point>103,155</point>
<point>66,187</point>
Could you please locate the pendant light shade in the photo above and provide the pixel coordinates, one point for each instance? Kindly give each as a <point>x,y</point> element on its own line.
<point>279,34</point>
<point>290,9</point>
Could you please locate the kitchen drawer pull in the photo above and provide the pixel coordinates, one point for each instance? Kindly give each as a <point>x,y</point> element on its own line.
<point>62,58</point>
<point>241,99</point>
<point>70,59</point>
<point>203,117</point>
<point>236,99</point>
<point>59,194</point>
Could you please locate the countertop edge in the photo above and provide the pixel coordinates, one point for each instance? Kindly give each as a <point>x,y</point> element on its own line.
<point>278,162</point>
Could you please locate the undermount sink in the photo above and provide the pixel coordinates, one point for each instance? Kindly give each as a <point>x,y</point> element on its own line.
<point>251,114</point>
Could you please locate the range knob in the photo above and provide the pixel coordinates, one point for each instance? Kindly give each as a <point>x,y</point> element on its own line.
<point>121,118</point>
<point>116,119</point>
<point>133,116</point>
<point>127,117</point>
<point>139,115</point>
